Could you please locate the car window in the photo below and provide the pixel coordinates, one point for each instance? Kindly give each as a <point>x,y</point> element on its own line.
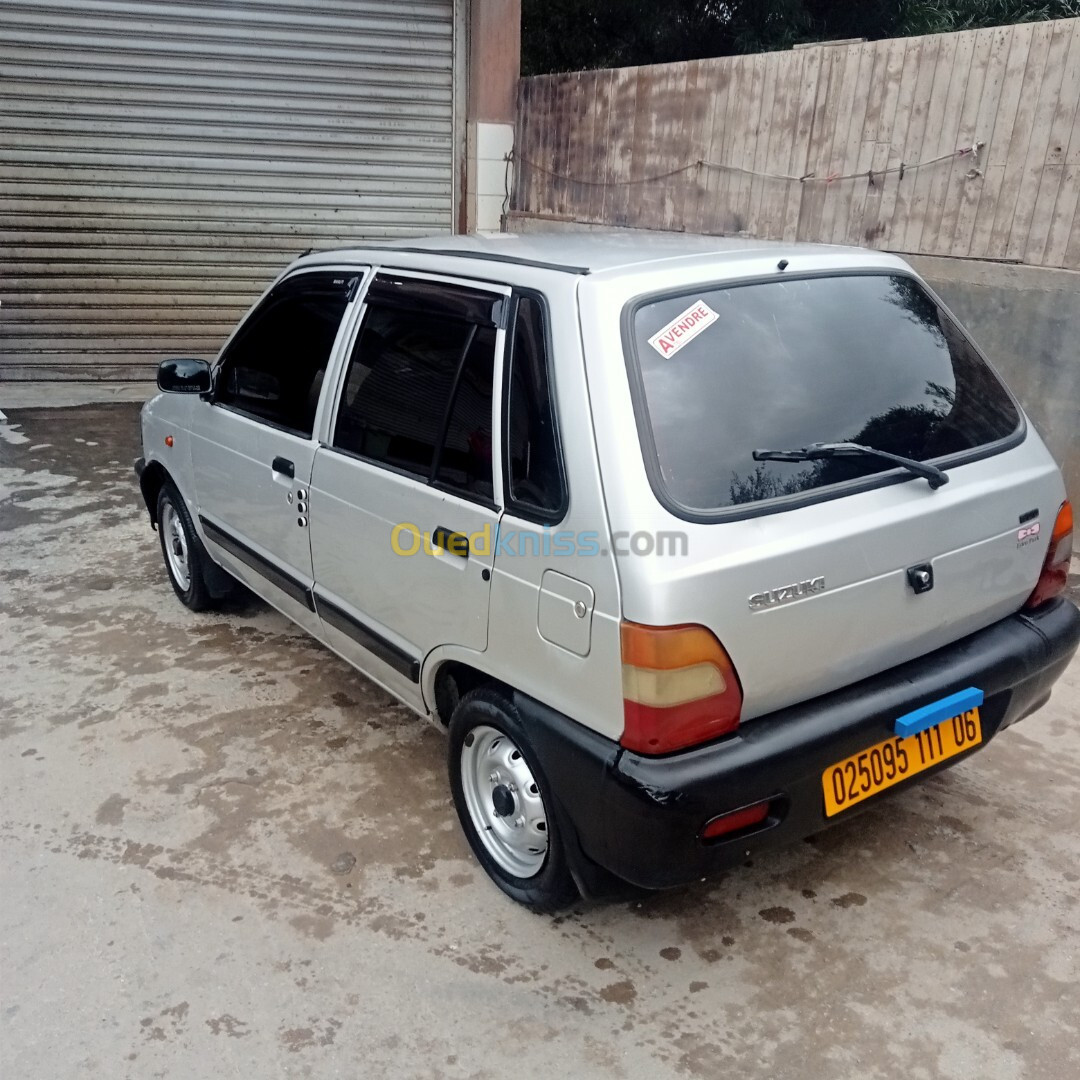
<point>273,369</point>
<point>867,358</point>
<point>418,388</point>
<point>534,474</point>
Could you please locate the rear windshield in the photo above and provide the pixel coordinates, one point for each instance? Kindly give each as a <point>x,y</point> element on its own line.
<point>867,358</point>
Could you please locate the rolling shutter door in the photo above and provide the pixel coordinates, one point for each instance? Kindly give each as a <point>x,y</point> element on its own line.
<point>161,161</point>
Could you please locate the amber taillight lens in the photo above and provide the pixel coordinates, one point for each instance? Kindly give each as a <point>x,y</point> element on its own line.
<point>1055,570</point>
<point>680,688</point>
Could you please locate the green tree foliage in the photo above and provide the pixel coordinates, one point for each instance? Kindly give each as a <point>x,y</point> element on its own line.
<point>571,35</point>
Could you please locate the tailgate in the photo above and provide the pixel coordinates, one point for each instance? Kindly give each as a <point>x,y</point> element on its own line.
<point>811,600</point>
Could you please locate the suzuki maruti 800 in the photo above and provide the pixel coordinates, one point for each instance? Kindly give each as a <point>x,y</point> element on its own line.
<point>695,545</point>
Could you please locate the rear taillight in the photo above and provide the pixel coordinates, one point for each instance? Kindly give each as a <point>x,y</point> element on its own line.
<point>679,688</point>
<point>735,821</point>
<point>1055,570</point>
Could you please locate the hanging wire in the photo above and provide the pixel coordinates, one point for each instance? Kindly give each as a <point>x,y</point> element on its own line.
<point>514,156</point>
<point>872,175</point>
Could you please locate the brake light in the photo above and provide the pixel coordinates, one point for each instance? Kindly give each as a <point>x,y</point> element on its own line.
<point>1055,570</point>
<point>680,688</point>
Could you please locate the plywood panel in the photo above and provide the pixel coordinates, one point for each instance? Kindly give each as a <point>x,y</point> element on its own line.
<point>1043,240</point>
<point>1031,172</point>
<point>880,230</point>
<point>1011,160</point>
<point>839,112</point>
<point>757,224</point>
<point>624,105</point>
<point>782,143</point>
<point>687,195</point>
<point>838,142</point>
<point>809,105</point>
<point>820,151</point>
<point>996,155</point>
<point>735,91</point>
<point>995,110</point>
<point>863,190</point>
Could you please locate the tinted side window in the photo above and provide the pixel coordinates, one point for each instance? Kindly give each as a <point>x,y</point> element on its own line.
<point>418,388</point>
<point>533,468</point>
<point>274,367</point>
<point>464,459</point>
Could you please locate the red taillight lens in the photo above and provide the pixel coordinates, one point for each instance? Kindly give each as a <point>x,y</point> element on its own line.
<point>735,821</point>
<point>679,688</point>
<point>1055,571</point>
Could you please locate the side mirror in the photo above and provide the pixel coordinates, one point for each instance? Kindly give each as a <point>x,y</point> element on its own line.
<point>184,376</point>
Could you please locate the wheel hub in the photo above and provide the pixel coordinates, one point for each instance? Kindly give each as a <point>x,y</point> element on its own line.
<point>504,802</point>
<point>502,799</point>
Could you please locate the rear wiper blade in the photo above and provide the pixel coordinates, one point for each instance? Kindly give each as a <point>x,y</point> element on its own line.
<point>934,476</point>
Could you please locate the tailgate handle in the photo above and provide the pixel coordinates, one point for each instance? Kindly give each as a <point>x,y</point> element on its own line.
<point>453,543</point>
<point>285,467</point>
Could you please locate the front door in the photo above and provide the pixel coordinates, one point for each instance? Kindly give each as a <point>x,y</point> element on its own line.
<point>404,509</point>
<point>252,446</point>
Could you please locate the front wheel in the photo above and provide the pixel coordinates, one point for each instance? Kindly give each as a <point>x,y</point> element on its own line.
<point>185,557</point>
<point>504,803</point>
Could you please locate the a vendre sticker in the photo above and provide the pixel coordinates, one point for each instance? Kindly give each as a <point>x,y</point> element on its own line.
<point>683,329</point>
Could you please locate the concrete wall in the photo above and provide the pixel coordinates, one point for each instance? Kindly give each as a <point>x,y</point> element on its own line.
<point>494,67</point>
<point>1025,318</point>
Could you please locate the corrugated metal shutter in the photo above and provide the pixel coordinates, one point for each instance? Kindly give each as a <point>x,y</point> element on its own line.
<point>160,161</point>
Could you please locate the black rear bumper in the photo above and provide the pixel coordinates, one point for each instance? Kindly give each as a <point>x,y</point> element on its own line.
<point>641,818</point>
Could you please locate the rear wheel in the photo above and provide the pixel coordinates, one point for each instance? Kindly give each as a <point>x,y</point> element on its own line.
<point>185,557</point>
<point>504,803</point>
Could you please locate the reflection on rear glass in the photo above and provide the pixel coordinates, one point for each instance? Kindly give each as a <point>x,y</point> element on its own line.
<point>865,358</point>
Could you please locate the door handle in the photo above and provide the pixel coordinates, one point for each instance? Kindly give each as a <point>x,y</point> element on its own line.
<point>285,467</point>
<point>453,543</point>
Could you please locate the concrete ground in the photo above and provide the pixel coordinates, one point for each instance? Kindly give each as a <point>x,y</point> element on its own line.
<point>184,796</point>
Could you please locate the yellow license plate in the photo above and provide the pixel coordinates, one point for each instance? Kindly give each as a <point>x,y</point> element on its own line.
<point>879,767</point>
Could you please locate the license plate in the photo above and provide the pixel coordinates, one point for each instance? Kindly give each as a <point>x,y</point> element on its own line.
<point>870,771</point>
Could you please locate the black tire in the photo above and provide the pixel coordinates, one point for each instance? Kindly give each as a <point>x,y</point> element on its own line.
<point>552,887</point>
<point>194,594</point>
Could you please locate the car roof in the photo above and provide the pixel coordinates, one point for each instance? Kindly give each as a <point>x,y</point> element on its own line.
<point>583,252</point>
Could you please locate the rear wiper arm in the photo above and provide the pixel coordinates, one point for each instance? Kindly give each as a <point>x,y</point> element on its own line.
<point>934,476</point>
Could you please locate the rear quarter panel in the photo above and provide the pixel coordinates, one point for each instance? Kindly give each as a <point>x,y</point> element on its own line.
<point>586,688</point>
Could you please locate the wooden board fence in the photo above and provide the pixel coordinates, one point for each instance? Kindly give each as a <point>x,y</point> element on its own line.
<point>963,144</point>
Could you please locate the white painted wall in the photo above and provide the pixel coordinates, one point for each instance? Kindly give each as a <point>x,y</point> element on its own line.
<point>488,146</point>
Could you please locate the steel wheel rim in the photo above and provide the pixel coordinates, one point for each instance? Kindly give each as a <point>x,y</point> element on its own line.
<point>494,775</point>
<point>174,540</point>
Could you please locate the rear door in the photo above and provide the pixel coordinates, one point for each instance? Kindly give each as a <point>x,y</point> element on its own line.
<point>815,574</point>
<point>253,444</point>
<point>404,513</point>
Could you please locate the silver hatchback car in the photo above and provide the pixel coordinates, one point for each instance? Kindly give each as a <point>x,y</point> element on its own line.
<point>696,545</point>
